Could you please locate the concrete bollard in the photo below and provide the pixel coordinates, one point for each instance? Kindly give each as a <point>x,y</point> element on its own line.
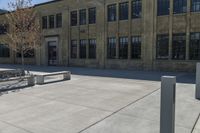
<point>168,98</point>
<point>198,81</point>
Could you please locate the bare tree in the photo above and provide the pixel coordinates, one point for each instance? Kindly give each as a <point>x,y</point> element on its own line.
<point>24,28</point>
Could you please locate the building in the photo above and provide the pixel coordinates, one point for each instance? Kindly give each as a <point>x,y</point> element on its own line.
<point>122,34</point>
<point>2,11</point>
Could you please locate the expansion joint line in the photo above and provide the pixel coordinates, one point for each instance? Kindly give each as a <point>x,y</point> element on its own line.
<point>119,110</point>
<point>16,126</point>
<point>195,124</point>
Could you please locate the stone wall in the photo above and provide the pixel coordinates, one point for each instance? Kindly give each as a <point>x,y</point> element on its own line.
<point>148,27</point>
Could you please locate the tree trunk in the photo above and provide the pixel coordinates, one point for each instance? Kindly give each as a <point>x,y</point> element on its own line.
<point>22,59</point>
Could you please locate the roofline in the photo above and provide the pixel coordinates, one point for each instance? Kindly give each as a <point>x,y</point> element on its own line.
<point>3,13</point>
<point>45,3</point>
<point>37,5</point>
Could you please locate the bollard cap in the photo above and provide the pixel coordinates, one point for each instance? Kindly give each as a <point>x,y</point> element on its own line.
<point>169,78</point>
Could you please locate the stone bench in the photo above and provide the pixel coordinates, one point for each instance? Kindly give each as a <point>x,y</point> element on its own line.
<point>30,79</point>
<point>40,77</point>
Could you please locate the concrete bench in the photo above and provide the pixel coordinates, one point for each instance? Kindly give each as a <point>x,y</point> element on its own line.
<point>40,77</point>
<point>30,79</point>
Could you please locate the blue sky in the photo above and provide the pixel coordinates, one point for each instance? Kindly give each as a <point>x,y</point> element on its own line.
<point>4,3</point>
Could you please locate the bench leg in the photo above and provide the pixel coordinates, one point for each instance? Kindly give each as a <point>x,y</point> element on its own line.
<point>40,79</point>
<point>67,76</point>
<point>31,81</point>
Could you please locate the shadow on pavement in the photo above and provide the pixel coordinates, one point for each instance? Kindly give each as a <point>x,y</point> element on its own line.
<point>113,73</point>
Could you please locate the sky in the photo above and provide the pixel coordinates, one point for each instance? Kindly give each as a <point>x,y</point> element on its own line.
<point>4,3</point>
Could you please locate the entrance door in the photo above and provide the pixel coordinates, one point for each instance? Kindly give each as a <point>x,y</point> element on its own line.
<point>52,53</point>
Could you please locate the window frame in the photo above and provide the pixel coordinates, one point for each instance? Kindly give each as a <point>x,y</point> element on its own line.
<point>163,7</point>
<point>136,8</point>
<point>44,22</point>
<point>177,50</point>
<point>112,12</point>
<point>92,48</point>
<point>82,17</point>
<point>74,19</point>
<point>111,47</point>
<point>164,39</point>
<point>51,21</point>
<point>179,6</point>
<point>27,54</point>
<point>3,29</point>
<point>83,48</point>
<point>4,51</point>
<point>74,46</point>
<point>194,6</point>
<point>136,47</point>
<point>194,48</point>
<point>123,47</point>
<point>59,20</point>
<point>124,11</point>
<point>92,15</point>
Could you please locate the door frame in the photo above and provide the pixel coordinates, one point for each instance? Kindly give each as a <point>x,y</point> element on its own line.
<point>48,50</point>
<point>47,40</point>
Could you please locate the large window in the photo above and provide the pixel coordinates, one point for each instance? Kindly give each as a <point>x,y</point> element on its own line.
<point>82,16</point>
<point>123,47</point>
<point>3,29</point>
<point>74,49</point>
<point>123,11</point>
<point>44,22</point>
<point>179,46</point>
<point>112,12</point>
<point>4,51</point>
<point>111,48</point>
<point>92,15</point>
<point>74,18</point>
<point>28,54</point>
<point>92,48</point>
<point>136,8</point>
<point>180,6</point>
<point>163,7</point>
<point>51,21</point>
<point>195,5</point>
<point>82,50</point>
<point>136,47</point>
<point>162,46</point>
<point>195,46</point>
<point>58,20</point>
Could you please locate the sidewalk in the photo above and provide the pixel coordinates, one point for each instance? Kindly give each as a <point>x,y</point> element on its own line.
<point>97,101</point>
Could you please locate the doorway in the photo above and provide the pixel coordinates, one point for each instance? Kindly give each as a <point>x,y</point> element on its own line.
<point>52,53</point>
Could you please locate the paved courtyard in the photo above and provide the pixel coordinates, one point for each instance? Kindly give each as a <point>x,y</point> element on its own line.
<point>97,101</point>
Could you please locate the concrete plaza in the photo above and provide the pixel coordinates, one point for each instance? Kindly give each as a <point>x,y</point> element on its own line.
<point>97,101</point>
